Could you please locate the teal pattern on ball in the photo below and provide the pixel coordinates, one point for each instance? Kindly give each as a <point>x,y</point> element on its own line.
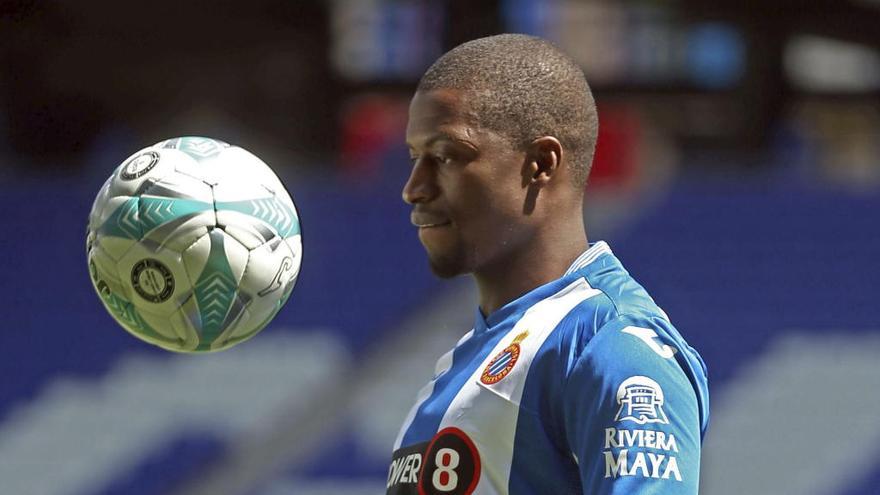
<point>199,148</point>
<point>126,313</point>
<point>215,292</point>
<point>137,216</point>
<point>275,213</point>
<point>154,212</point>
<point>123,222</point>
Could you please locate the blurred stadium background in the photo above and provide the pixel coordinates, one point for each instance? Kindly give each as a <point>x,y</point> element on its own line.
<point>737,176</point>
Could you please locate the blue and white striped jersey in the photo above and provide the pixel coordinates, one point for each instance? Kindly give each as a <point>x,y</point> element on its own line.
<point>580,386</point>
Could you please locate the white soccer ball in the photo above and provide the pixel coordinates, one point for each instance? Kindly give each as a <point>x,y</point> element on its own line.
<point>193,245</point>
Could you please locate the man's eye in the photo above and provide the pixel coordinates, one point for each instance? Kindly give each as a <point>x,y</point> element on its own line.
<point>438,159</point>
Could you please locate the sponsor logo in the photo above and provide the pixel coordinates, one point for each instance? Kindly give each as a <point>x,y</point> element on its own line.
<point>449,464</point>
<point>641,452</point>
<point>628,453</point>
<point>641,400</point>
<point>403,473</point>
<point>651,439</point>
<point>139,165</point>
<point>152,280</point>
<point>501,365</point>
<point>644,464</point>
<point>452,464</point>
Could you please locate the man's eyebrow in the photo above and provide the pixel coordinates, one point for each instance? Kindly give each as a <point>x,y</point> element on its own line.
<point>441,136</point>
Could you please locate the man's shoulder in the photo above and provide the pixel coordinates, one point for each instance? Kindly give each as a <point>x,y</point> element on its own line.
<point>597,323</point>
<point>621,301</point>
<point>627,295</point>
<point>617,302</point>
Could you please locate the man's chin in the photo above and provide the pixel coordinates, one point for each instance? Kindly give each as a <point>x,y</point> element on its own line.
<point>445,268</point>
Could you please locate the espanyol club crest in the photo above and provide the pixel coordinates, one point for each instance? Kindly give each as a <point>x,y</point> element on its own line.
<point>501,364</point>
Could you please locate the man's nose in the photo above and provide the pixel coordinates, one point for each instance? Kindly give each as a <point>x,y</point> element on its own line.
<point>420,187</point>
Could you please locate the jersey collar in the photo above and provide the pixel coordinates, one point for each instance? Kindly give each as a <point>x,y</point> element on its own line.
<point>589,256</point>
<point>529,299</point>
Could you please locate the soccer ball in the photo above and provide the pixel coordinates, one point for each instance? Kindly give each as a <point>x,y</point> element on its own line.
<point>193,245</point>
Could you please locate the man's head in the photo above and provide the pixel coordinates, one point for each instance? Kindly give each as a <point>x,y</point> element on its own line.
<point>525,88</point>
<point>502,132</point>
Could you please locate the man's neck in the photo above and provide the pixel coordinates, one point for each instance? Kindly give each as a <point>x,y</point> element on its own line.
<point>542,261</point>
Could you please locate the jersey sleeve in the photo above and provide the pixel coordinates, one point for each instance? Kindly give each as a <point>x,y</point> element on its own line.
<point>631,414</point>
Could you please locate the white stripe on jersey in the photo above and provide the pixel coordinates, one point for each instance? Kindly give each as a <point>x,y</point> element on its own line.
<point>442,366</point>
<point>490,424</point>
<point>588,256</point>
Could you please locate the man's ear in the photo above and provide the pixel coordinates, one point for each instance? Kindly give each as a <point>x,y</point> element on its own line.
<point>543,158</point>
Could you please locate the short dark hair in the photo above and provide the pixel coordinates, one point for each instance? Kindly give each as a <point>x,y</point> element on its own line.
<point>527,89</point>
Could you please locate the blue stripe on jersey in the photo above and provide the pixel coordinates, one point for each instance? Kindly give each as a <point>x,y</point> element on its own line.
<point>535,442</point>
<point>465,359</point>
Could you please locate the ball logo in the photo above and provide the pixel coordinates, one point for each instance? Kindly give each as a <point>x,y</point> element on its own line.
<point>139,165</point>
<point>641,400</point>
<point>152,280</point>
<point>277,281</point>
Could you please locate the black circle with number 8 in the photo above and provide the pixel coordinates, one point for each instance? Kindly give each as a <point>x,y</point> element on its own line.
<point>451,465</point>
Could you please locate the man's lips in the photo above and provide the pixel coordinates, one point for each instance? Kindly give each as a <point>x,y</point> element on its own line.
<point>434,225</point>
<point>424,221</point>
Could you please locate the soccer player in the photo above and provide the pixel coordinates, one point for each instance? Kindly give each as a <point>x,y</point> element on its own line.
<point>572,380</point>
